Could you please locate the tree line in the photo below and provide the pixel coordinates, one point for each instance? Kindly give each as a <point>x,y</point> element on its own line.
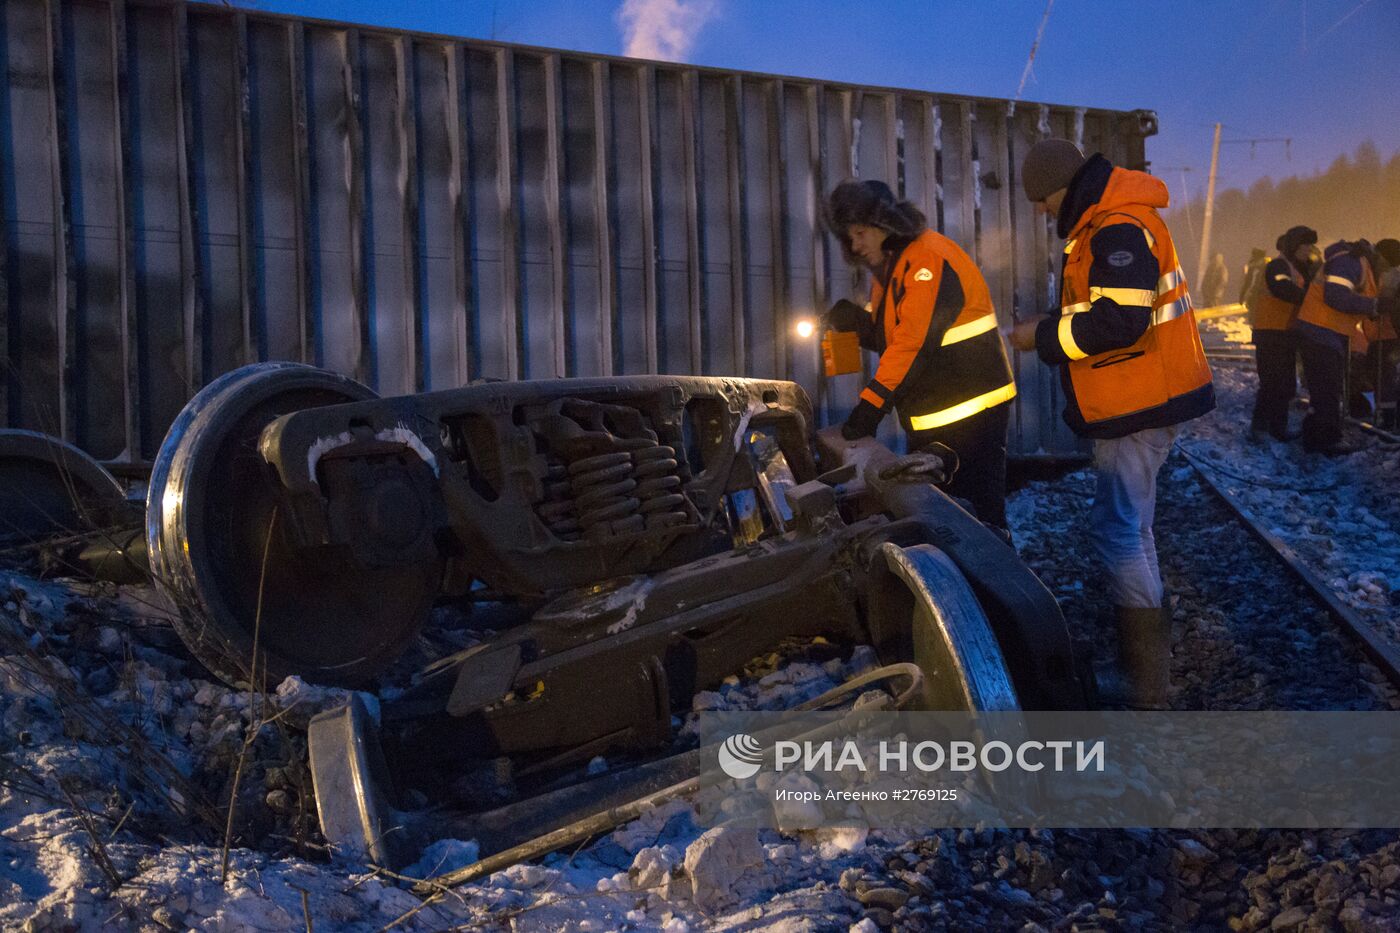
<point>1358,196</point>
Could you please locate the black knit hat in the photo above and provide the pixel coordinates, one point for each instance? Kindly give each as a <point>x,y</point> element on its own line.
<point>1295,237</point>
<point>1050,165</point>
<point>871,203</point>
<point>1389,250</point>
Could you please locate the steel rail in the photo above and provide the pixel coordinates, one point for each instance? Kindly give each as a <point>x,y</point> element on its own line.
<point>1380,652</point>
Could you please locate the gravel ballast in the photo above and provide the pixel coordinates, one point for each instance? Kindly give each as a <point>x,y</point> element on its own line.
<point>98,671</point>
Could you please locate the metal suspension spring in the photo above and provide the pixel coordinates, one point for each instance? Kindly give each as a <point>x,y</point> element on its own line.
<point>658,486</point>
<point>603,487</point>
<point>558,510</point>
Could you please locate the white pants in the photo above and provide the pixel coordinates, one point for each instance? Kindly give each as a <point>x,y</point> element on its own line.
<point>1120,520</point>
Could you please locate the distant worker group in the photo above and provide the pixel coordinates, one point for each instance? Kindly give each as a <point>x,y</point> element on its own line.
<point>1335,312</point>
<point>1123,337</point>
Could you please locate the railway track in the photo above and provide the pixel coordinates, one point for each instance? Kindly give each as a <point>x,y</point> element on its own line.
<point>1381,653</point>
<point>1379,649</point>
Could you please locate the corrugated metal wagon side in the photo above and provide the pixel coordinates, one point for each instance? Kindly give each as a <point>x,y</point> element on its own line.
<point>187,188</point>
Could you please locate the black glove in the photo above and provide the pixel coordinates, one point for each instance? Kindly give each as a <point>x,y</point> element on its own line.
<point>843,316</point>
<point>948,455</point>
<point>863,421</point>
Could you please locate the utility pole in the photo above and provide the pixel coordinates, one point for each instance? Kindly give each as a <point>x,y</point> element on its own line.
<point>1210,207</point>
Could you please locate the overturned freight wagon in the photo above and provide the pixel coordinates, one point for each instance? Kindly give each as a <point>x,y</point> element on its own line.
<point>189,188</point>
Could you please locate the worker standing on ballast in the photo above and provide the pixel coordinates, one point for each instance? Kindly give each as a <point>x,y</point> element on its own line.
<point>1388,299</point>
<point>1132,368</point>
<point>931,320</point>
<point>1275,341</point>
<point>1253,283</point>
<point>1339,298</point>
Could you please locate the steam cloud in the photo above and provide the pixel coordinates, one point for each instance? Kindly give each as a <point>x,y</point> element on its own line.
<point>662,29</point>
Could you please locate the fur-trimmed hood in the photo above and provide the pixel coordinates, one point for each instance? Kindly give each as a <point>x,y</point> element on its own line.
<point>871,203</point>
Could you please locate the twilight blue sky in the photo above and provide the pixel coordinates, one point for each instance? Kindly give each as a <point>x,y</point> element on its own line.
<point>1324,72</point>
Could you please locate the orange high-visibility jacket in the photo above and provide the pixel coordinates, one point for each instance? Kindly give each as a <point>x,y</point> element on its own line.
<point>1161,377</point>
<point>1336,275</point>
<point>1270,311</point>
<point>941,355</point>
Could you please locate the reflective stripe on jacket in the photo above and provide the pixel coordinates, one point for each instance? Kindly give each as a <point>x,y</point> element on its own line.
<point>941,355</point>
<point>1270,311</point>
<point>1159,379</point>
<point>1337,277</point>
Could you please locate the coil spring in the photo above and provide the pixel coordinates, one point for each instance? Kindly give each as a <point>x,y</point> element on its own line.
<point>628,490</point>
<point>602,487</point>
<point>558,511</point>
<point>658,486</point>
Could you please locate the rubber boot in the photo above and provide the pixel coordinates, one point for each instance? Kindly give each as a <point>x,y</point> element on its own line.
<point>1144,655</point>
<point>1258,432</point>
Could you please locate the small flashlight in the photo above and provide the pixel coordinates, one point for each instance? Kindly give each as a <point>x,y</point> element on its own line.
<point>805,328</point>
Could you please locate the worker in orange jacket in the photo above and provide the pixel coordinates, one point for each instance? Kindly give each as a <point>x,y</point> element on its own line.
<point>931,320</point>
<point>1339,299</point>
<point>1132,368</point>
<point>1275,341</point>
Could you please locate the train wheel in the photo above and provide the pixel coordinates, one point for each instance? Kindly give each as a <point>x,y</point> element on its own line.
<point>49,487</point>
<point>220,552</point>
<point>924,610</point>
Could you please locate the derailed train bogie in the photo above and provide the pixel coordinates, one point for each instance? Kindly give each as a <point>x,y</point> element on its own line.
<point>658,533</point>
<point>291,507</point>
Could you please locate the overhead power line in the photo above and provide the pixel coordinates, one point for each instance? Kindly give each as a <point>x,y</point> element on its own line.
<point>1354,10</point>
<point>1254,142</point>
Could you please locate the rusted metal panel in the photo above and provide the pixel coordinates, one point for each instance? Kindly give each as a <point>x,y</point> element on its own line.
<point>190,305</point>
<point>311,341</point>
<point>781,322</point>
<point>188,187</point>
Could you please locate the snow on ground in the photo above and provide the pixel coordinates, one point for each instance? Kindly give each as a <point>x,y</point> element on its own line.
<point>1231,329</point>
<point>117,754</point>
<point>1340,514</point>
<point>116,757</point>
